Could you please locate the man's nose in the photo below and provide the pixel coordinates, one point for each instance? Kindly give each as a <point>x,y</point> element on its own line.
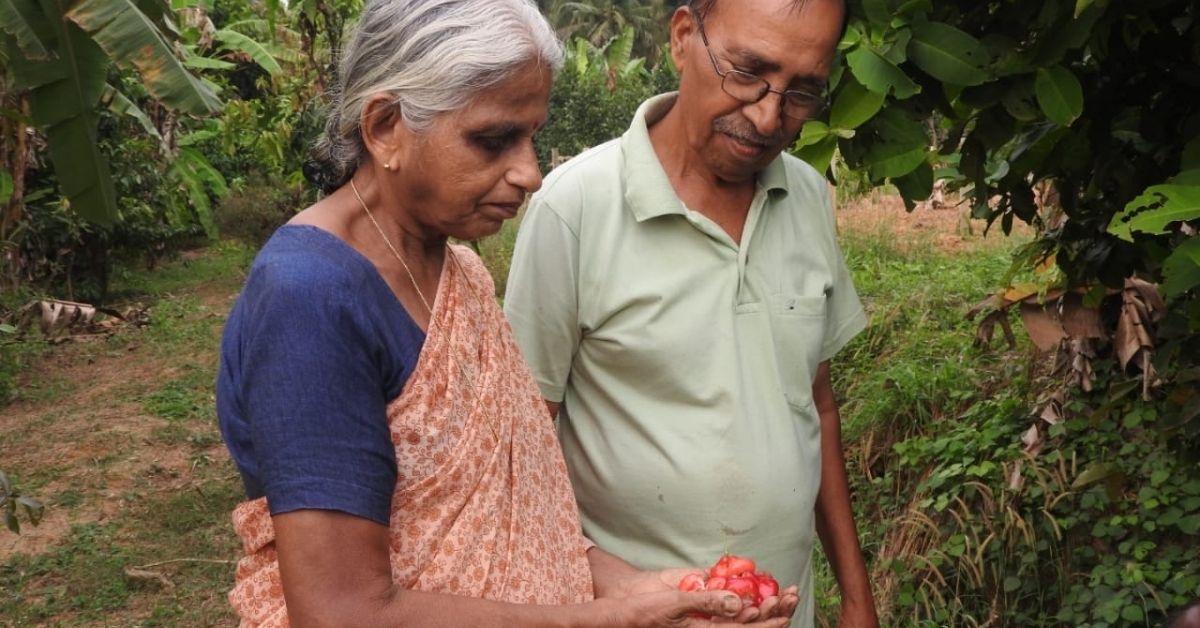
<point>766,115</point>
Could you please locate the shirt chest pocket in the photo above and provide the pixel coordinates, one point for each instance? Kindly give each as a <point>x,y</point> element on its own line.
<point>798,333</point>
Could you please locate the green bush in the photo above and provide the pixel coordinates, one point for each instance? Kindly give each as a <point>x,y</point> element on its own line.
<point>259,207</point>
<point>593,103</point>
<point>964,527</point>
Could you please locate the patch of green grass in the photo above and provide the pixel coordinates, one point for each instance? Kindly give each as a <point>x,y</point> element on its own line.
<point>224,263</point>
<point>184,537</point>
<point>183,325</point>
<point>914,368</point>
<point>187,397</point>
<point>69,498</point>
<point>83,576</point>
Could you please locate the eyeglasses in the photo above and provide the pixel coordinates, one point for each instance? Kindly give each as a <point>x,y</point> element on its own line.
<point>751,88</point>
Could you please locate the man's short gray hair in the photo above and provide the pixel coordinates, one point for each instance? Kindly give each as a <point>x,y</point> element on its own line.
<point>430,57</point>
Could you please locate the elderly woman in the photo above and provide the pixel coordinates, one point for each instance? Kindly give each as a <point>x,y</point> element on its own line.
<point>399,463</point>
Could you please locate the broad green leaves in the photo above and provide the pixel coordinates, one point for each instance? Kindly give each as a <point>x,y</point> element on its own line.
<point>1159,206</point>
<point>901,146</point>
<point>64,88</point>
<point>18,18</point>
<point>880,75</point>
<point>1059,94</point>
<point>948,54</point>
<point>233,40</point>
<point>128,36</point>
<point>1152,212</point>
<point>854,105</point>
<point>816,145</point>
<point>60,55</point>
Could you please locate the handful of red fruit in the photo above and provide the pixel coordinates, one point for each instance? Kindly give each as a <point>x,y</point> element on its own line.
<point>737,574</point>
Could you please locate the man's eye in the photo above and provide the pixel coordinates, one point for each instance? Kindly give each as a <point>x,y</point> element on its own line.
<point>803,99</point>
<point>746,78</point>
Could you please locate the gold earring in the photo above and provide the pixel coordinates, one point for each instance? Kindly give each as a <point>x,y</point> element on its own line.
<point>387,166</point>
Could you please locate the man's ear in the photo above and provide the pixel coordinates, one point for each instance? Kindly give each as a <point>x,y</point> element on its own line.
<point>683,26</point>
<point>384,132</point>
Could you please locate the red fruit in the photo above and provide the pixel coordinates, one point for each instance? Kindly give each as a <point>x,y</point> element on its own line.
<point>721,569</point>
<point>692,582</point>
<point>740,565</point>
<point>737,574</point>
<point>767,586</point>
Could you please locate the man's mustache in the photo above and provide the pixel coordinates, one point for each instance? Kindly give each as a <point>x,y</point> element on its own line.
<point>741,128</point>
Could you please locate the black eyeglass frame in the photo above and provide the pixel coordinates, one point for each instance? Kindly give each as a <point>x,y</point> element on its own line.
<point>811,104</point>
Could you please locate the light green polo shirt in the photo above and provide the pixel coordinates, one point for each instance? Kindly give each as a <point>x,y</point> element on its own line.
<point>685,361</point>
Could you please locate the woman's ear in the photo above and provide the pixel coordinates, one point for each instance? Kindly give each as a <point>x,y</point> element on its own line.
<point>384,133</point>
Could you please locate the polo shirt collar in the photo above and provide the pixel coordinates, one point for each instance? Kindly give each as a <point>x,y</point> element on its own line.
<point>648,190</point>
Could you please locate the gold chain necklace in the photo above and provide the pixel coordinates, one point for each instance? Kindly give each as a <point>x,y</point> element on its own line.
<point>461,369</point>
<point>388,242</point>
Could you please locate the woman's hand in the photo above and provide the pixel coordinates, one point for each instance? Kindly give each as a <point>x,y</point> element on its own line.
<point>644,582</point>
<point>677,609</point>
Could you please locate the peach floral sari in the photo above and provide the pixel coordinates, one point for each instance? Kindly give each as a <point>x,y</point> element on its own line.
<point>483,506</point>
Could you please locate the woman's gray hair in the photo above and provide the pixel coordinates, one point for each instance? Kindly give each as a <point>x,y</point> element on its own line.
<point>431,57</point>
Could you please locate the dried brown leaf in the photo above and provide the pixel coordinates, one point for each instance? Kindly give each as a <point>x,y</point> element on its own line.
<point>1044,328</point>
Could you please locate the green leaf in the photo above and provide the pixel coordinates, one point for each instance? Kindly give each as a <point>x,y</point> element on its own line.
<point>878,12</point>
<point>820,154</point>
<point>198,177</point>
<point>27,26</point>
<point>6,186</point>
<point>1181,269</point>
<point>1081,6</point>
<point>854,105</point>
<point>5,328</point>
<point>1059,94</point>
<point>880,75</point>
<point>197,62</point>
<point>901,146</point>
<point>233,40</point>
<point>1159,206</point>
<point>1133,613</point>
<point>132,39</point>
<point>619,51</point>
<point>63,93</point>
<point>916,185</point>
<point>814,131</point>
<point>1096,473</point>
<point>949,54</point>
<point>120,105</point>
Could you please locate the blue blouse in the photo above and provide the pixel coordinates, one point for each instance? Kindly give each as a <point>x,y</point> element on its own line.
<point>315,348</point>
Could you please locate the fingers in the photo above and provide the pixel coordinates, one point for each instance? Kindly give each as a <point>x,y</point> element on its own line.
<point>718,604</point>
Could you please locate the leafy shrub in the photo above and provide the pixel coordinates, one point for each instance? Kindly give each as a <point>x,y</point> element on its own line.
<point>253,212</point>
<point>595,97</point>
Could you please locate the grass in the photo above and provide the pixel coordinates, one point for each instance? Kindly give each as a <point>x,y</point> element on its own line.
<point>167,497</point>
<point>911,370</point>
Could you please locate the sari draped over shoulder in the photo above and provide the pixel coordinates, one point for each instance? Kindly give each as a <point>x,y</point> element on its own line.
<point>483,505</point>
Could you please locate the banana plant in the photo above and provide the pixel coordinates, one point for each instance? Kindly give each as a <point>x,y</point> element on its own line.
<point>60,52</point>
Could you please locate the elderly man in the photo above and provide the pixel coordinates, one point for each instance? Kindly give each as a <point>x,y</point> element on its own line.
<point>678,293</point>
